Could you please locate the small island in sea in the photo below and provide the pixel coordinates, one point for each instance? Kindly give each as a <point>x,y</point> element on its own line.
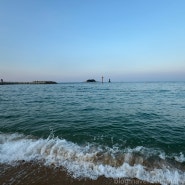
<point>91,80</point>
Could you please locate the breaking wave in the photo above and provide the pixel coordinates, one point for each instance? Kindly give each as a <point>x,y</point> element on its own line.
<point>92,160</point>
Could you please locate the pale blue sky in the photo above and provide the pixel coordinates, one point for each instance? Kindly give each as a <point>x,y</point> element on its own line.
<point>73,40</point>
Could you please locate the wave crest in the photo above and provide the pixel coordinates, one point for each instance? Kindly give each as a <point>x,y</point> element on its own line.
<point>92,160</point>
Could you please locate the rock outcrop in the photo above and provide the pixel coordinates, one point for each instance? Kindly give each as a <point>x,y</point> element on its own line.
<point>91,80</point>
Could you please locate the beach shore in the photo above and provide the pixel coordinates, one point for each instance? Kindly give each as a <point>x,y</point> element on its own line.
<point>38,174</point>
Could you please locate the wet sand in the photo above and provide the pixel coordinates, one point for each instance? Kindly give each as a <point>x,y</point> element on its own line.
<point>38,174</point>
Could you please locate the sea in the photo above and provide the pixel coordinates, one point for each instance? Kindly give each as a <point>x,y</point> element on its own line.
<point>123,130</point>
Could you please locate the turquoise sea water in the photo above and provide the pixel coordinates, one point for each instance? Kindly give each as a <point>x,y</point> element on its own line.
<point>92,129</point>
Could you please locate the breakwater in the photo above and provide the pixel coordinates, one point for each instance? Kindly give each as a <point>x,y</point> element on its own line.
<point>34,82</point>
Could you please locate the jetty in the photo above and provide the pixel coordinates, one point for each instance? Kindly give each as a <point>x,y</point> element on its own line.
<point>19,83</point>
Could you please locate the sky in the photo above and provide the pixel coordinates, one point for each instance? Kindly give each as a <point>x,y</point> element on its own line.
<point>76,40</point>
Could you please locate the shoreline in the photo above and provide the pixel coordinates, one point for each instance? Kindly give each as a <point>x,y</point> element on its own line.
<point>39,174</point>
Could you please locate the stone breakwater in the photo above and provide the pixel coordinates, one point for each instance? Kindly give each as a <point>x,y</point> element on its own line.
<point>34,82</point>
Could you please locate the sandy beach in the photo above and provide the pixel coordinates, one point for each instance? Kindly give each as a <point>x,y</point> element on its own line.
<point>38,174</point>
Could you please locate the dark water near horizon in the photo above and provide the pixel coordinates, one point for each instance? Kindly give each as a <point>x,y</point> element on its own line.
<point>134,130</point>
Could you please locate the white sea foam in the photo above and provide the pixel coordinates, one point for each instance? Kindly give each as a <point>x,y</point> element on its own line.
<point>180,158</point>
<point>89,161</point>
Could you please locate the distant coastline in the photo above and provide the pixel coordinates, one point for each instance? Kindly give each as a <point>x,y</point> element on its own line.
<point>34,82</point>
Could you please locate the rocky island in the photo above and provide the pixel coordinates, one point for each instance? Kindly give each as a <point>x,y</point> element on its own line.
<point>90,80</point>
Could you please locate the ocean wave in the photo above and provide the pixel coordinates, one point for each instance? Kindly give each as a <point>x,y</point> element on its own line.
<point>92,160</point>
<point>180,158</point>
